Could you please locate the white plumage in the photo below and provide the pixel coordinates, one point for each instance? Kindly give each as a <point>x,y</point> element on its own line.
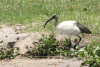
<point>69,28</point>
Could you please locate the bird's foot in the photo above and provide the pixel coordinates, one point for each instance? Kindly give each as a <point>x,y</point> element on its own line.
<point>74,47</point>
<point>69,45</point>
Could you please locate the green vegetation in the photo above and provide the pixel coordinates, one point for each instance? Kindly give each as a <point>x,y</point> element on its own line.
<point>91,54</point>
<point>49,46</point>
<point>10,54</point>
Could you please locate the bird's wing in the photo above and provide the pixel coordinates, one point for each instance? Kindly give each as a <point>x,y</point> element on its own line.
<point>83,28</point>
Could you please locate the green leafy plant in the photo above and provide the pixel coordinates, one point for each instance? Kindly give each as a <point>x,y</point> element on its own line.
<point>8,53</point>
<point>1,54</point>
<point>90,54</point>
<point>49,46</point>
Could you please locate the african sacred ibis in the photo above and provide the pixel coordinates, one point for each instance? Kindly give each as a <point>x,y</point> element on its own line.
<point>69,28</point>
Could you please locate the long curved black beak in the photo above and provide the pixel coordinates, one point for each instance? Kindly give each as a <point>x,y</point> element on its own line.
<point>48,21</point>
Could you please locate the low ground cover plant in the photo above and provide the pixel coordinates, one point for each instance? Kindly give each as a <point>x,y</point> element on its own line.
<point>90,54</point>
<point>8,53</point>
<point>49,46</point>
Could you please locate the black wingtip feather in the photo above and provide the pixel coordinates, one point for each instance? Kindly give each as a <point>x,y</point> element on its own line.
<point>83,28</point>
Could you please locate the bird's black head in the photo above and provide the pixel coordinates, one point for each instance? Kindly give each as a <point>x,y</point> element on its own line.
<point>54,16</point>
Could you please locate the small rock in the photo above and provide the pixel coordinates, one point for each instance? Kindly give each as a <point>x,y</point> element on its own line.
<point>26,46</point>
<point>83,64</point>
<point>79,59</point>
<point>73,59</point>
<point>17,38</point>
<point>68,65</point>
<point>10,44</point>
<point>85,9</point>
<point>34,42</point>
<point>16,33</point>
<point>1,41</point>
<point>6,36</point>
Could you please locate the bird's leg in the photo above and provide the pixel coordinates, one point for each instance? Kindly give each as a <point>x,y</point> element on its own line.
<point>77,42</point>
<point>70,44</point>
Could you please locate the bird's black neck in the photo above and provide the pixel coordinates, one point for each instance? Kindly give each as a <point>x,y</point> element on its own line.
<point>56,21</point>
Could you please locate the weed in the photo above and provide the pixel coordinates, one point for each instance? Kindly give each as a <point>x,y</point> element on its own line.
<point>49,46</point>
<point>90,54</point>
<point>10,54</point>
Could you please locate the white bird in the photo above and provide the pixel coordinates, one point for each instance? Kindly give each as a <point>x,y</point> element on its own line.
<point>69,28</point>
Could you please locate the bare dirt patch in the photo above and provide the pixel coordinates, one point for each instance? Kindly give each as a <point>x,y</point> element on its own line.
<point>41,63</point>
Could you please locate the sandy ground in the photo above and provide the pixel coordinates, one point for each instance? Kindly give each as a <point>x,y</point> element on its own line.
<point>41,63</point>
